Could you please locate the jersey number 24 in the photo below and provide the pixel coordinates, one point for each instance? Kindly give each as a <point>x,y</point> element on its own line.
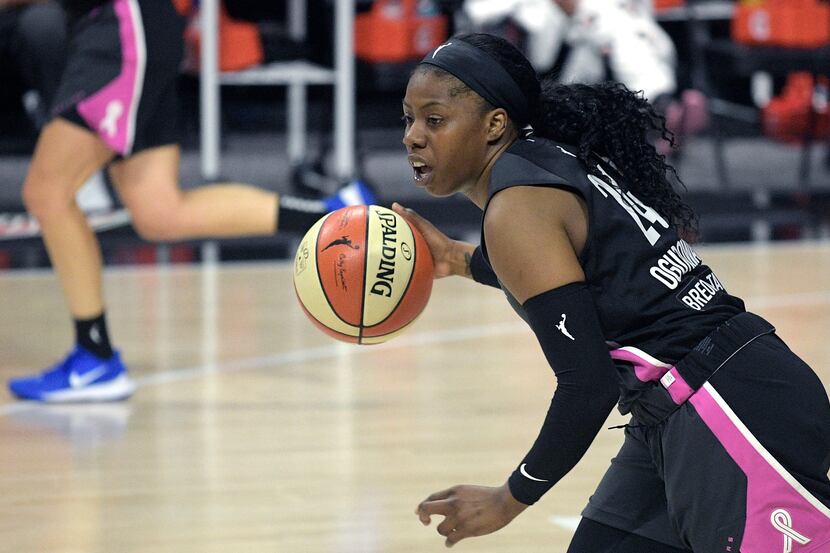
<point>644,216</point>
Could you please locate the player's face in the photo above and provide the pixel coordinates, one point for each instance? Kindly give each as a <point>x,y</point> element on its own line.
<point>445,135</point>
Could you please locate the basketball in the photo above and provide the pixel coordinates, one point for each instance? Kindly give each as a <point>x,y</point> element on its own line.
<point>363,274</point>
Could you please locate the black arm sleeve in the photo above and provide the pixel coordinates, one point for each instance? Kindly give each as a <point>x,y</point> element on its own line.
<point>566,323</point>
<point>481,271</point>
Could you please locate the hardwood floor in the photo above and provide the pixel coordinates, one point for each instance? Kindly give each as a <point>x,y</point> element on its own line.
<point>251,431</point>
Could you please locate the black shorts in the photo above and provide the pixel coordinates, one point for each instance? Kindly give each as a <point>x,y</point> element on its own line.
<point>121,73</point>
<point>739,466</point>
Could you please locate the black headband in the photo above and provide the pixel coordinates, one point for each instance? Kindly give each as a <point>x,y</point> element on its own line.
<point>483,74</point>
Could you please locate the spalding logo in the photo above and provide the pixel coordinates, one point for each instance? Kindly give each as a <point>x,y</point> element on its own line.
<point>406,251</point>
<point>301,262</point>
<point>385,275</point>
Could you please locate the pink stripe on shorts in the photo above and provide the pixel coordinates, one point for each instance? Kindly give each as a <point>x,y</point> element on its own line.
<point>112,111</point>
<point>781,516</point>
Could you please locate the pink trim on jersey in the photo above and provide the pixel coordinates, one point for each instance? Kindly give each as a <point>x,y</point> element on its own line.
<point>781,515</point>
<point>111,112</point>
<point>646,367</point>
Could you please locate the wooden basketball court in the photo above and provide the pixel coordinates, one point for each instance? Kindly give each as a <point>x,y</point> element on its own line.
<point>251,431</point>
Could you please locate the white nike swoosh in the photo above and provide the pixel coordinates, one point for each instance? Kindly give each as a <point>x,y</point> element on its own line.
<point>439,49</point>
<point>526,475</point>
<point>80,380</point>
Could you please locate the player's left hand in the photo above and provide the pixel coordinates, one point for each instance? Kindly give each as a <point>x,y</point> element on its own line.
<point>470,511</point>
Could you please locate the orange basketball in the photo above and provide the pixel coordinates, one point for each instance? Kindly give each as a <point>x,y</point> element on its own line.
<point>363,274</point>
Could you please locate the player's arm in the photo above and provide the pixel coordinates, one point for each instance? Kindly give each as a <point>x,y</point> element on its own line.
<point>533,236</point>
<point>450,257</point>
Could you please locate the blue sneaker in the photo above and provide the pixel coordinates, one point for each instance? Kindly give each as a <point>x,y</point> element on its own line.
<point>81,376</point>
<point>354,193</point>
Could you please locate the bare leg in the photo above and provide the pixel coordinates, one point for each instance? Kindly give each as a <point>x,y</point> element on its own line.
<point>65,156</point>
<point>148,184</point>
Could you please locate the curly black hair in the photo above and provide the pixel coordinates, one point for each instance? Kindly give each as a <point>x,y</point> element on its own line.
<point>605,120</point>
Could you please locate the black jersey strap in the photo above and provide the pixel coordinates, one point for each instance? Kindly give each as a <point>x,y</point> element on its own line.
<point>514,169</point>
<point>481,271</point>
<point>568,329</point>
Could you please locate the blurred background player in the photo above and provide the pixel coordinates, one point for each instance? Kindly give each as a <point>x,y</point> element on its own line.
<point>600,40</point>
<point>116,104</point>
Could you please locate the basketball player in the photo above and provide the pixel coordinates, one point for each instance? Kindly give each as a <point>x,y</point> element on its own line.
<point>728,446</point>
<point>116,104</point>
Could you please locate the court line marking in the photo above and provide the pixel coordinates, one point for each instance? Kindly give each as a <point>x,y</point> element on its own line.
<point>566,522</point>
<point>787,300</point>
<point>423,338</point>
<point>333,351</point>
<point>305,355</point>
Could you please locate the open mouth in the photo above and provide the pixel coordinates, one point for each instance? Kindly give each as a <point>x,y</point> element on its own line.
<point>421,170</point>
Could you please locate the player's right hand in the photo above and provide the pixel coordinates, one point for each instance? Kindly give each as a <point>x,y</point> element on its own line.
<point>449,257</point>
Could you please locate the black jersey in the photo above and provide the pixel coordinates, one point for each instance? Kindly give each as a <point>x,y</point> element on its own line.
<point>651,290</point>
